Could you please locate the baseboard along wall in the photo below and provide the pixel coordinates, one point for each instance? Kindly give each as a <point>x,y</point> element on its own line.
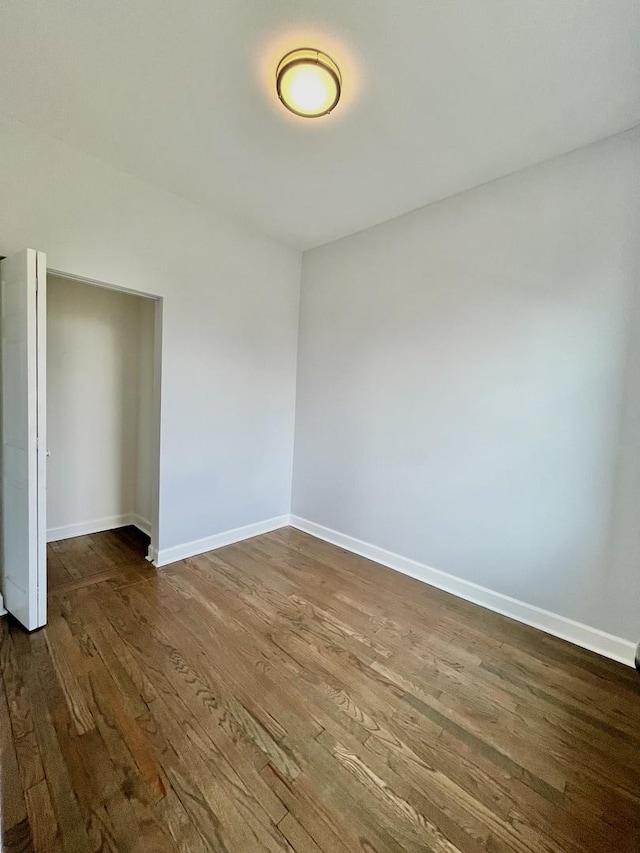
<point>165,556</point>
<point>84,528</point>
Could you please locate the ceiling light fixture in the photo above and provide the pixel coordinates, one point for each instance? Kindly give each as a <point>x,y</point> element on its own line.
<point>308,82</point>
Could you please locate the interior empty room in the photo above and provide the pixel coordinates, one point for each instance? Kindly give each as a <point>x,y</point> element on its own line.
<point>320,426</point>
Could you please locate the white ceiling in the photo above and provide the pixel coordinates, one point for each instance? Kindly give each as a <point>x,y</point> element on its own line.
<point>439,96</point>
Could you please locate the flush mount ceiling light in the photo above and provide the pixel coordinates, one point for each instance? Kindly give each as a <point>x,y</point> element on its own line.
<point>308,82</point>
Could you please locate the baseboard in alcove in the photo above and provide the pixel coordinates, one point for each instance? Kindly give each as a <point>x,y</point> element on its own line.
<point>84,528</point>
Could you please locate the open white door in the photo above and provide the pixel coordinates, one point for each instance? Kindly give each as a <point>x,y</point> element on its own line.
<point>24,319</point>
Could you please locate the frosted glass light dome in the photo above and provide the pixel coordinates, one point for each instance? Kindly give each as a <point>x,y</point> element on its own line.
<point>308,82</point>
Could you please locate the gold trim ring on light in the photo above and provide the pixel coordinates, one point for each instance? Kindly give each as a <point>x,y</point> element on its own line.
<point>310,57</point>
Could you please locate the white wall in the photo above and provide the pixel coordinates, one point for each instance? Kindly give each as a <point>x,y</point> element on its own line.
<point>465,379</point>
<point>229,332</point>
<point>99,406</point>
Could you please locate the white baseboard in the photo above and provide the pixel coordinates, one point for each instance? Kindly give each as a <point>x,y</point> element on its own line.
<point>552,623</point>
<point>141,523</point>
<point>84,528</point>
<point>3,612</point>
<point>199,546</point>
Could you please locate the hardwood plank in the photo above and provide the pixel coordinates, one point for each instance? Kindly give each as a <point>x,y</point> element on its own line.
<point>19,706</point>
<point>59,770</point>
<point>119,575</point>
<point>44,825</point>
<point>124,739</point>
<point>69,666</point>
<point>84,560</point>
<point>310,812</point>
<point>226,814</point>
<point>14,827</point>
<point>78,557</point>
<point>57,574</point>
<point>297,835</point>
<point>183,830</point>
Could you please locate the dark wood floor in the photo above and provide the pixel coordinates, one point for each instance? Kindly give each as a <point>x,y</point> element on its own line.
<point>281,694</point>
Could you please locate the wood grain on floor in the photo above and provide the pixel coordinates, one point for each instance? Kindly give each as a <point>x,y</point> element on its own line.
<point>281,694</point>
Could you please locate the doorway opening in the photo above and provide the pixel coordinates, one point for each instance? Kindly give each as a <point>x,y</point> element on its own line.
<point>103,429</point>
